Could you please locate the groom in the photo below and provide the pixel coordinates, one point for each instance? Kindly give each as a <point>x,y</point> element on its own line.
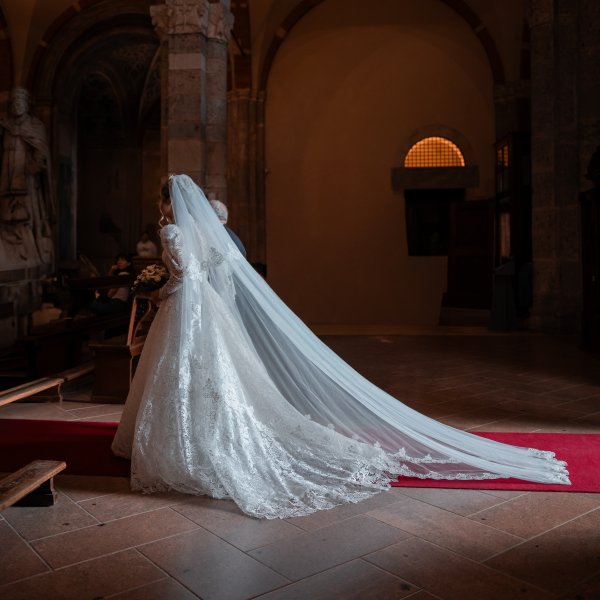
<point>223,214</point>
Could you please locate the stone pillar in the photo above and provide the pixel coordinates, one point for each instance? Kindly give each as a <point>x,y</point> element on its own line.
<point>512,101</point>
<point>246,170</point>
<point>193,36</point>
<point>556,150</point>
<point>218,33</point>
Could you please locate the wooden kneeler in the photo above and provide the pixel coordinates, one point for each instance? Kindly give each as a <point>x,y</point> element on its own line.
<point>115,360</point>
<point>32,485</point>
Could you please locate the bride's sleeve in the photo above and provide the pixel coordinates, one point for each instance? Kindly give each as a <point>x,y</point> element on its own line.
<point>172,243</point>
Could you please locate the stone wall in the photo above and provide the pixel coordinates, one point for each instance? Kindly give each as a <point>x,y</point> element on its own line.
<point>565,59</point>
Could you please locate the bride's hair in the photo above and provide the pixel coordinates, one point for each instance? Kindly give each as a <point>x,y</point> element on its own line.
<point>165,196</point>
<point>165,192</point>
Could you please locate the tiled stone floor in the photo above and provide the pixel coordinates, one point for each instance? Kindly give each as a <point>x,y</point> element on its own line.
<point>102,541</point>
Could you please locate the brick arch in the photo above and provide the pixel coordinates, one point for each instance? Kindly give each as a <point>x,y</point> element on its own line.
<point>7,73</point>
<point>76,23</point>
<point>459,6</point>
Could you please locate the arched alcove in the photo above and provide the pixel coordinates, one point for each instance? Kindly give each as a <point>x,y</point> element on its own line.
<point>348,86</point>
<point>97,86</point>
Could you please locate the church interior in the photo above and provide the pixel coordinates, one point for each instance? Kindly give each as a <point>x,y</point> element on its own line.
<point>418,180</point>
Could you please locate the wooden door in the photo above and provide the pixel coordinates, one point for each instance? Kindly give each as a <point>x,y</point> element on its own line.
<point>470,254</point>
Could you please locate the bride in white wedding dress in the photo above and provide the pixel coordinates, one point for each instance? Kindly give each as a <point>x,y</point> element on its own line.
<point>234,397</point>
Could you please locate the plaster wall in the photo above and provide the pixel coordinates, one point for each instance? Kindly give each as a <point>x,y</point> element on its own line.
<point>348,87</point>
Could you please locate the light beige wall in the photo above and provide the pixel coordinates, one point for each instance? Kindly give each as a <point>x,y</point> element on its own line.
<point>503,20</point>
<point>346,90</point>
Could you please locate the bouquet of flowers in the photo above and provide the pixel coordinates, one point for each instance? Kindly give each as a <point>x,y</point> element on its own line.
<point>153,277</point>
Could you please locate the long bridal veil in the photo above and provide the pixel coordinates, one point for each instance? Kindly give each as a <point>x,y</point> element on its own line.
<point>311,377</point>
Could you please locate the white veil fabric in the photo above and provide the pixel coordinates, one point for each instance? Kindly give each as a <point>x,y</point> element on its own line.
<point>311,377</point>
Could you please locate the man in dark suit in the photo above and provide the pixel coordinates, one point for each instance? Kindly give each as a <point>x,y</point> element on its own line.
<point>223,214</point>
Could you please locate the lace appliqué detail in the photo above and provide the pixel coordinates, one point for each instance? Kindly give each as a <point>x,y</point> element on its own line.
<point>215,258</point>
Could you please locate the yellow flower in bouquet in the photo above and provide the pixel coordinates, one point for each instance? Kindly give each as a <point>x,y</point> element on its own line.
<point>153,277</point>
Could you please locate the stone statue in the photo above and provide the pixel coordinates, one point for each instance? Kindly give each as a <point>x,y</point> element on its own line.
<point>26,202</point>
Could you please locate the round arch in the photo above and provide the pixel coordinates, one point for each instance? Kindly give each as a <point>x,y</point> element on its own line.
<point>116,38</point>
<point>459,6</point>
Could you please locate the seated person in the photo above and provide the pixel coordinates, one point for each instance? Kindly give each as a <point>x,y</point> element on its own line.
<point>146,248</point>
<point>114,300</point>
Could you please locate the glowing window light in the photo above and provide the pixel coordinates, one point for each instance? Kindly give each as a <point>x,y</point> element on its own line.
<point>434,152</point>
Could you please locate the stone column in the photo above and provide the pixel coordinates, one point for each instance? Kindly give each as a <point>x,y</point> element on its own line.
<point>218,33</point>
<point>512,100</point>
<point>555,88</point>
<point>190,31</point>
<point>247,170</point>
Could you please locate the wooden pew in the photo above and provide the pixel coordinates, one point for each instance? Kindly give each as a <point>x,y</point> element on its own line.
<point>32,485</point>
<point>59,345</point>
<point>115,359</point>
<point>45,389</point>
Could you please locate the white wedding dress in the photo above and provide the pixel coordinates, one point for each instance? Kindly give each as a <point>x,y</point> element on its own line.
<point>235,398</point>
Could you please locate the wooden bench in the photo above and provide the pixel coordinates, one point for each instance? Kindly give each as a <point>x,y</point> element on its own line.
<point>115,360</point>
<point>45,389</point>
<point>60,344</point>
<point>32,485</point>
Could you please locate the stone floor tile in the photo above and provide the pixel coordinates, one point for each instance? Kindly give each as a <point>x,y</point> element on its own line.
<point>47,411</point>
<point>540,411</point>
<point>577,392</point>
<point>445,529</point>
<point>89,580</point>
<point>505,494</point>
<point>167,589</point>
<point>124,504</point>
<point>532,514</point>
<point>355,580</point>
<point>558,559</point>
<point>91,542</point>
<point>107,418</point>
<point>423,595</point>
<point>34,522</point>
<point>224,519</point>
<point>85,487</point>
<point>588,589</point>
<point>327,547</point>
<point>450,576</point>
<point>461,502</point>
<point>97,411</point>
<point>212,568</point>
<point>324,518</point>
<point>18,559</point>
<point>588,405</point>
<point>72,404</point>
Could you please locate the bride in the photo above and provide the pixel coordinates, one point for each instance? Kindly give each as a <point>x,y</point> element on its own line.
<point>234,397</point>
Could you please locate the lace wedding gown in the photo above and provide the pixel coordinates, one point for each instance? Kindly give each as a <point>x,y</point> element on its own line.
<point>235,398</point>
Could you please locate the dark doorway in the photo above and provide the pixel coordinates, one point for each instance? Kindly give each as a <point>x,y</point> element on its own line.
<point>471,255</point>
<point>428,220</point>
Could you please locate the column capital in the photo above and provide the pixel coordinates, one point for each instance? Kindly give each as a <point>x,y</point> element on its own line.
<point>539,12</point>
<point>211,19</point>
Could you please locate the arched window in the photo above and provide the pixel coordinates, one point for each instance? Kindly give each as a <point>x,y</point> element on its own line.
<point>434,152</point>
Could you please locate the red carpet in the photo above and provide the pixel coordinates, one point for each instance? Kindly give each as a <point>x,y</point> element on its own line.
<point>580,450</point>
<point>85,446</point>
